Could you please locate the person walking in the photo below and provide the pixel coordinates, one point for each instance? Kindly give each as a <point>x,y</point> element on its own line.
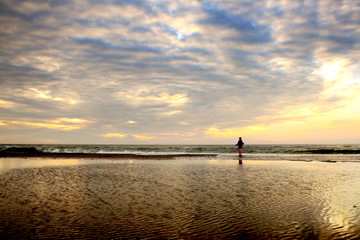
<point>240,145</point>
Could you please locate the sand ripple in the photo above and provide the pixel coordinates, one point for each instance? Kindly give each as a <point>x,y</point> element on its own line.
<point>172,200</point>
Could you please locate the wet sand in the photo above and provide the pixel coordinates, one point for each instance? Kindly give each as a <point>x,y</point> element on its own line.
<point>188,198</point>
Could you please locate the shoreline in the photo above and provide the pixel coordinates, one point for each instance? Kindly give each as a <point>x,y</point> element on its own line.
<point>142,156</point>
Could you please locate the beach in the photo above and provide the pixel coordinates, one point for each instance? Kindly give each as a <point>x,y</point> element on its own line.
<point>183,198</point>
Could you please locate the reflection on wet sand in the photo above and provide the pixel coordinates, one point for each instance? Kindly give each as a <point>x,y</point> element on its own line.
<point>189,199</point>
<point>18,163</point>
<point>240,159</point>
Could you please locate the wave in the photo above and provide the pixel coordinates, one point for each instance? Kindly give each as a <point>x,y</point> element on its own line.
<point>33,152</point>
<point>258,152</point>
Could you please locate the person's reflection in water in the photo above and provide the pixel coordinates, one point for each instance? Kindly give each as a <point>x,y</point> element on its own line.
<point>240,159</point>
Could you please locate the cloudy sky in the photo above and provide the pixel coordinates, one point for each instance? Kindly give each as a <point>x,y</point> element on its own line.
<point>179,71</point>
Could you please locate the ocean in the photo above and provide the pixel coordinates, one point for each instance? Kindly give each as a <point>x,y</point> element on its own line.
<point>294,152</point>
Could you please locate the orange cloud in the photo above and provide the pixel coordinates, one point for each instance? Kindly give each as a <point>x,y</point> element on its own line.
<point>64,124</point>
<point>72,120</point>
<point>141,137</point>
<point>6,104</point>
<point>40,94</point>
<point>115,135</point>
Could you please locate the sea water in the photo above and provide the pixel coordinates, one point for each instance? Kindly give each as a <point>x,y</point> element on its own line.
<point>300,152</point>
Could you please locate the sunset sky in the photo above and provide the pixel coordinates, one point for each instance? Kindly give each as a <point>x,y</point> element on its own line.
<point>179,71</point>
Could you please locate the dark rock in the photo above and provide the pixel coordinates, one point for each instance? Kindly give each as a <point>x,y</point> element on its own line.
<point>19,150</point>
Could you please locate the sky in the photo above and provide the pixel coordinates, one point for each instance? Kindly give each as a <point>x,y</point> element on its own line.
<point>179,71</point>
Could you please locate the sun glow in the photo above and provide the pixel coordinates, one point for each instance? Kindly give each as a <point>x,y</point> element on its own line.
<point>301,123</point>
<point>71,120</point>
<point>331,71</point>
<point>234,132</point>
<point>338,78</point>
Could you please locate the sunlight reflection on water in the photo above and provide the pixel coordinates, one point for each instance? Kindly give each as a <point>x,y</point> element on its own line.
<point>18,163</point>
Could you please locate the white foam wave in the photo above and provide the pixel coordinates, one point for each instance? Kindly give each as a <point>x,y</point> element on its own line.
<point>150,153</point>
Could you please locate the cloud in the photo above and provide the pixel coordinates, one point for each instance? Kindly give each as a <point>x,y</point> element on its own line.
<point>114,135</point>
<point>72,120</point>
<point>141,28</point>
<point>173,112</point>
<point>209,68</point>
<point>197,50</point>
<point>45,95</point>
<point>143,138</point>
<point>248,30</point>
<point>136,3</point>
<point>29,16</point>
<point>151,97</point>
<point>6,104</point>
<point>63,124</point>
<point>103,45</point>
